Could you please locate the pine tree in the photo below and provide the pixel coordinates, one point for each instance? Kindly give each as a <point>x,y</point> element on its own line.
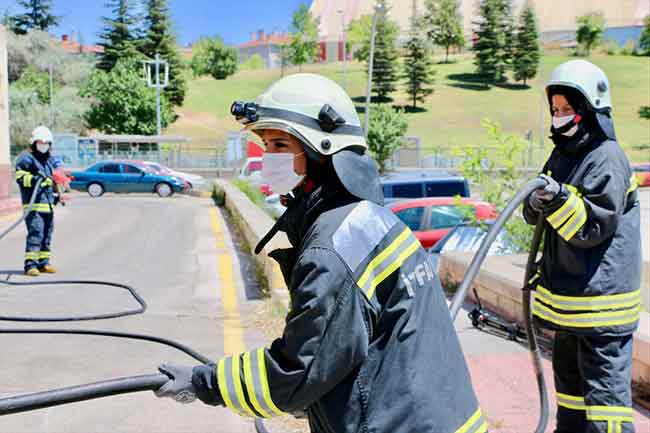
<point>418,71</point>
<point>445,24</point>
<point>384,67</point>
<point>118,38</point>
<point>494,40</point>
<point>36,17</point>
<point>527,51</point>
<point>159,38</point>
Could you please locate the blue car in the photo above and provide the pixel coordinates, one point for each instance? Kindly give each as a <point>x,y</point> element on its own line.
<point>116,176</point>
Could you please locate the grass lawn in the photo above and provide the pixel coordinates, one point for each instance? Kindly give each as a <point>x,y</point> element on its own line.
<point>450,117</point>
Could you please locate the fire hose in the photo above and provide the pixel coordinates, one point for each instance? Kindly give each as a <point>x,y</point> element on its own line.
<point>72,394</point>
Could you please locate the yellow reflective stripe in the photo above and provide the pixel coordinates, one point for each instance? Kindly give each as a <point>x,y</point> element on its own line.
<point>570,401</point>
<point>27,180</point>
<point>31,255</point>
<point>634,184</point>
<point>575,223</point>
<point>238,386</point>
<point>382,256</point>
<point>587,320</point>
<point>392,267</point>
<point>557,218</point>
<point>250,385</point>
<point>21,173</point>
<point>39,207</point>
<point>574,303</point>
<point>44,255</point>
<point>223,388</point>
<point>261,361</point>
<point>475,424</point>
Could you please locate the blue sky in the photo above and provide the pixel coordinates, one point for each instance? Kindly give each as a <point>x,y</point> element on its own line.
<point>232,20</point>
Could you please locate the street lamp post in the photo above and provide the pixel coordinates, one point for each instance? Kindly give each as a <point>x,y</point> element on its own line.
<point>343,36</point>
<point>155,82</point>
<point>379,8</point>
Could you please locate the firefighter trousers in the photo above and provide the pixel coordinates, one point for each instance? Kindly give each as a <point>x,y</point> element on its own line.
<point>40,226</point>
<point>593,377</point>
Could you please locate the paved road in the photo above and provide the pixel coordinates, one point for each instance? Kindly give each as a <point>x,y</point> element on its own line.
<point>170,251</point>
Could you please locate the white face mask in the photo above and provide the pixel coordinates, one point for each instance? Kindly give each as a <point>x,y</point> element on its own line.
<point>42,147</point>
<point>561,121</point>
<point>277,171</point>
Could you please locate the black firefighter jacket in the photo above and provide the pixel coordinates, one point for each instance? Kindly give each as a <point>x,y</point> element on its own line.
<point>29,168</point>
<point>590,271</point>
<point>368,345</point>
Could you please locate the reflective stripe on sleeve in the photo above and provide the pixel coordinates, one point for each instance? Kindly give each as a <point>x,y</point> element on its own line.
<point>475,424</point>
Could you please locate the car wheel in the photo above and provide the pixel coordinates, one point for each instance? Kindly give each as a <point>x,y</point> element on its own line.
<point>95,190</point>
<point>164,190</point>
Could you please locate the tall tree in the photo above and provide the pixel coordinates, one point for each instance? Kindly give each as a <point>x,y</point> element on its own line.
<point>445,23</point>
<point>118,37</point>
<point>357,37</point>
<point>507,30</point>
<point>304,38</point>
<point>37,16</point>
<point>418,63</point>
<point>644,42</point>
<point>590,31</point>
<point>385,65</point>
<point>159,39</point>
<point>527,50</point>
<point>491,51</point>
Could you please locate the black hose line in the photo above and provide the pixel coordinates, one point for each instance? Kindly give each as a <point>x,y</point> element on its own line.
<point>475,267</point>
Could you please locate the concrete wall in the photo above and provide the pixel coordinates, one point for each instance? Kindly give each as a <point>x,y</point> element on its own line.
<point>254,223</point>
<point>499,286</point>
<point>5,163</point>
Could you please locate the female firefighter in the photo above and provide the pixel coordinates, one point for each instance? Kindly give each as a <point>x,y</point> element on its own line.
<point>587,288</point>
<point>32,166</point>
<point>368,343</point>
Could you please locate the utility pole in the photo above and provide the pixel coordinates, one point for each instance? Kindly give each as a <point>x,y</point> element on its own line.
<point>379,8</point>
<point>51,99</point>
<point>344,38</point>
<point>151,82</point>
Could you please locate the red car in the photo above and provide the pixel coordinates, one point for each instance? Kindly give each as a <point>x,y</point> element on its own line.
<point>642,172</point>
<point>431,218</point>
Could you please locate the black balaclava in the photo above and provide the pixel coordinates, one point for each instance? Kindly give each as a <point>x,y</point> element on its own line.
<point>590,126</point>
<point>41,157</point>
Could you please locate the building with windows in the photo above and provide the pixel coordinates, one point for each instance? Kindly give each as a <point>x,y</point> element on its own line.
<point>557,18</point>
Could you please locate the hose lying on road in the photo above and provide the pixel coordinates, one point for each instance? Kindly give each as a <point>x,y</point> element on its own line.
<point>474,268</point>
<point>151,382</point>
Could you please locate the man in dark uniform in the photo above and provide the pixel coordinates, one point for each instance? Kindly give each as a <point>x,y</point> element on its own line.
<point>587,288</point>
<point>368,345</point>
<point>32,166</point>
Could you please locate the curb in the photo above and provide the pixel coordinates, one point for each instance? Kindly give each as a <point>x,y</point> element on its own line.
<point>254,223</point>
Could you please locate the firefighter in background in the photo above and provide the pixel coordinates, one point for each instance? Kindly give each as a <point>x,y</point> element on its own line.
<point>32,166</point>
<point>587,288</point>
<point>368,344</point>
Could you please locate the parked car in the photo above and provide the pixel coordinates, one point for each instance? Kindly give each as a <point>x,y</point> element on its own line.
<point>274,206</point>
<point>193,180</point>
<point>430,219</point>
<point>251,170</point>
<point>118,176</point>
<point>423,184</point>
<point>467,238</point>
<point>642,172</point>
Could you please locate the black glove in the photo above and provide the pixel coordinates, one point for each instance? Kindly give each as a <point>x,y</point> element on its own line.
<point>541,197</point>
<point>179,386</point>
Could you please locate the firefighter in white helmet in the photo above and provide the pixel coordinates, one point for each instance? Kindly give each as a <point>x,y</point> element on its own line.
<point>35,167</point>
<point>587,289</point>
<point>368,344</point>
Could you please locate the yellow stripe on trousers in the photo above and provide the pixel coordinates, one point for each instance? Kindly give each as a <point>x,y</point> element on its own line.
<point>233,337</point>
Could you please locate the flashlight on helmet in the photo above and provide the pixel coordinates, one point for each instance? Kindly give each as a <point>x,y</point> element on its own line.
<point>244,112</point>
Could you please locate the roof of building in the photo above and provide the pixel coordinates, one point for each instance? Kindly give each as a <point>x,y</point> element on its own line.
<point>73,47</point>
<point>271,39</point>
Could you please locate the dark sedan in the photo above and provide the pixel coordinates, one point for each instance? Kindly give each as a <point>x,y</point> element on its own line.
<point>116,176</point>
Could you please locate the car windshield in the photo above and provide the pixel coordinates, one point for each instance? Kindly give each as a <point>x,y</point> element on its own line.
<point>469,239</point>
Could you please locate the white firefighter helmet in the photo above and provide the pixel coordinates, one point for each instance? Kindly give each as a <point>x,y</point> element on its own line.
<point>41,133</point>
<point>310,107</point>
<point>586,78</point>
